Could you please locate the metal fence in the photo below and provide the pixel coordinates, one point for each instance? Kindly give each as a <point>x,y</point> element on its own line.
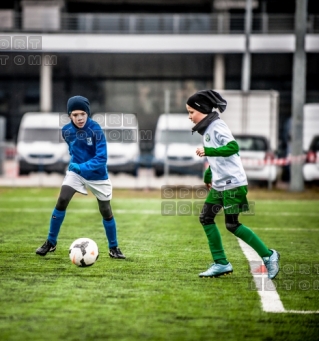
<point>225,23</point>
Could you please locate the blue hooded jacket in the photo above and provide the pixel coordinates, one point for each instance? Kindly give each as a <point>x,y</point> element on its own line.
<point>87,147</point>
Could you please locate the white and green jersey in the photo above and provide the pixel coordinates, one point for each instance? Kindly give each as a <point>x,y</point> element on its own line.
<point>228,171</point>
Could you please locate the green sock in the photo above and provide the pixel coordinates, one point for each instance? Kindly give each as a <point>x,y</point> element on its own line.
<point>249,237</point>
<point>215,244</point>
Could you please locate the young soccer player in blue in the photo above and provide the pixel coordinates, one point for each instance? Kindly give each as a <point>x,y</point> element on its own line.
<point>227,183</point>
<point>87,169</point>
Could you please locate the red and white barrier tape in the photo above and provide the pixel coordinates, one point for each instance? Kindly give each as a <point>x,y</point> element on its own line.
<point>291,159</point>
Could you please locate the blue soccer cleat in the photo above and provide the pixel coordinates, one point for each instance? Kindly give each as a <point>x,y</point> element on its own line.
<point>217,270</point>
<point>272,264</point>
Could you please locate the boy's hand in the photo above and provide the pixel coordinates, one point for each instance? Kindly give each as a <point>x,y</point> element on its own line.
<point>74,167</point>
<point>208,186</point>
<point>200,151</point>
<point>208,178</point>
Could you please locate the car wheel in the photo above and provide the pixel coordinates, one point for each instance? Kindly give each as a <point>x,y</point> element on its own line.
<point>135,172</point>
<point>23,172</point>
<point>158,173</point>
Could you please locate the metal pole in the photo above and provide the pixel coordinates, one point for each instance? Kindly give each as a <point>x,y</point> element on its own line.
<point>298,97</point>
<point>2,143</point>
<point>45,86</point>
<point>166,108</point>
<point>246,64</point>
<point>219,72</point>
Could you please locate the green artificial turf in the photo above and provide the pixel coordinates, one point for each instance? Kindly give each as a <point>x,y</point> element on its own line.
<point>155,294</point>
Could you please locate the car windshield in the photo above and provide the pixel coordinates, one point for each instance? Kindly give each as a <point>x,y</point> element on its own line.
<point>251,143</point>
<point>179,136</point>
<point>40,135</point>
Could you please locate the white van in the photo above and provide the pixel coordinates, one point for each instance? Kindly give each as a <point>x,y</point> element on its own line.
<point>40,146</point>
<point>175,143</point>
<point>122,135</point>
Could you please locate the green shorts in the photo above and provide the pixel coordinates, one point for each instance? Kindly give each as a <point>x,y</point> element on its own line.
<point>233,200</point>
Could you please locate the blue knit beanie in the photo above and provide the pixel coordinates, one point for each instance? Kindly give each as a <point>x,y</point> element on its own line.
<point>78,103</point>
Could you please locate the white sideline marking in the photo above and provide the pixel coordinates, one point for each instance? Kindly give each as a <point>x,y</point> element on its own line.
<point>314,214</point>
<point>302,311</point>
<point>77,210</point>
<point>124,211</point>
<point>295,214</point>
<point>270,299</point>
<point>283,229</point>
<point>80,198</point>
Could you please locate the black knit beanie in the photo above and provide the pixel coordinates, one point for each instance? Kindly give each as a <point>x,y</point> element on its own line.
<point>78,103</point>
<point>206,100</point>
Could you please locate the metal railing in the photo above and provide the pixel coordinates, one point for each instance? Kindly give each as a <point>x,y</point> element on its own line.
<point>159,23</point>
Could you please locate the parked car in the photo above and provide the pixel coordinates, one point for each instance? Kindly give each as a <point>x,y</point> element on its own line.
<point>257,158</point>
<point>40,146</point>
<point>122,135</point>
<point>311,166</point>
<point>175,144</point>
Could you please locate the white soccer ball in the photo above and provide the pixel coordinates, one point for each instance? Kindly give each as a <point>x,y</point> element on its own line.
<point>83,252</point>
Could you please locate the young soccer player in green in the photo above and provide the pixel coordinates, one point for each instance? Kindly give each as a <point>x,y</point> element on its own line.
<point>226,179</point>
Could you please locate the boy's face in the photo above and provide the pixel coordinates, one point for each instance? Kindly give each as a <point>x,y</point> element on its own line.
<point>194,115</point>
<point>79,118</point>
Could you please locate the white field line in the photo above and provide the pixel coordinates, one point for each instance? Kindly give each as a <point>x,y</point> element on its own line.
<point>151,212</point>
<point>302,311</point>
<point>270,299</point>
<point>283,229</point>
<point>155,212</point>
<point>76,210</point>
<point>80,198</point>
<point>294,214</point>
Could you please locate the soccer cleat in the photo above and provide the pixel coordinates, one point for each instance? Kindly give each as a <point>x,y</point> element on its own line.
<point>217,270</point>
<point>115,252</point>
<point>45,248</point>
<point>272,264</point>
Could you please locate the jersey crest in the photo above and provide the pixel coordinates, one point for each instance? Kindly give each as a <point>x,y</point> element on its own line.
<point>207,137</point>
<point>89,141</point>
